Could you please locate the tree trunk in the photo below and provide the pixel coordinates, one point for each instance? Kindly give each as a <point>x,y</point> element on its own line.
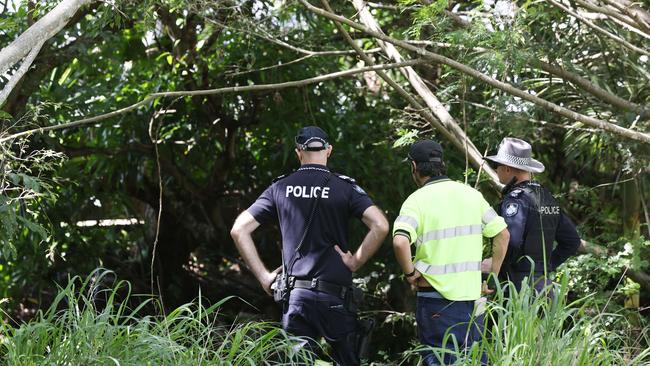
<point>631,207</point>
<point>44,29</point>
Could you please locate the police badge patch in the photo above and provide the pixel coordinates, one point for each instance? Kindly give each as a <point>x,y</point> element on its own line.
<point>359,189</point>
<point>512,209</point>
<point>515,193</point>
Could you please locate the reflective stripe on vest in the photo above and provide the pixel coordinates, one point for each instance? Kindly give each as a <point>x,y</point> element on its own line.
<point>434,270</point>
<point>450,232</point>
<point>488,216</point>
<point>411,221</point>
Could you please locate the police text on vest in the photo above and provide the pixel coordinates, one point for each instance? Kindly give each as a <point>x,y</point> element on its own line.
<point>549,210</point>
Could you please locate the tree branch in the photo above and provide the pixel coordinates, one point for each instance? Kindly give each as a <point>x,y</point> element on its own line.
<point>13,81</point>
<point>287,45</point>
<point>630,24</point>
<point>460,137</point>
<point>233,89</point>
<point>594,122</point>
<point>463,23</point>
<point>425,112</point>
<point>629,8</point>
<point>44,29</point>
<point>576,79</point>
<point>598,29</point>
<point>303,58</point>
<point>593,89</point>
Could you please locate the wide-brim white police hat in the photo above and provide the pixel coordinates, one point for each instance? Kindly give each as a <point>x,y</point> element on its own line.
<point>516,153</point>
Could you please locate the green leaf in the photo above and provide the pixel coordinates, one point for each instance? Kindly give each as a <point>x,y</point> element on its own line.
<point>34,227</point>
<point>5,115</point>
<point>31,183</point>
<point>65,75</point>
<point>406,138</point>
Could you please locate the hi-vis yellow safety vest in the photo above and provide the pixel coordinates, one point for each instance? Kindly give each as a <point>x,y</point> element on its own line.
<point>447,220</point>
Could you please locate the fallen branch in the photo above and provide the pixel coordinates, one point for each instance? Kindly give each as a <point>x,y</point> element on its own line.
<point>594,122</point>
<point>232,89</point>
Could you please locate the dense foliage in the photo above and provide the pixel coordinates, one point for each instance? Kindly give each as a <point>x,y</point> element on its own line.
<point>76,199</point>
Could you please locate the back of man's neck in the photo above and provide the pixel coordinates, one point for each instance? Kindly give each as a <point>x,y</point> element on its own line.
<point>522,179</point>
<point>314,162</point>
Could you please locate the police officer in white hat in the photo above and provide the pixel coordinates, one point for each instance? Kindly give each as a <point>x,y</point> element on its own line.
<point>534,218</point>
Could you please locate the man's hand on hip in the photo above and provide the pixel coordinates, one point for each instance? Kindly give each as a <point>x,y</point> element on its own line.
<point>348,259</point>
<point>413,280</point>
<point>268,279</point>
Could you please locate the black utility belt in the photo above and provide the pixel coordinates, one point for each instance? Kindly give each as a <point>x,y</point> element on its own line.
<point>320,285</point>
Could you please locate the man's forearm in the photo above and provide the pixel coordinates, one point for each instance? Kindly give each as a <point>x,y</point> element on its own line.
<point>247,250</point>
<point>402,249</point>
<point>377,231</point>
<point>499,248</point>
<point>369,245</point>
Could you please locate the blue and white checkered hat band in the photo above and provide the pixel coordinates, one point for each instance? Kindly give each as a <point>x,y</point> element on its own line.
<point>514,159</point>
<point>516,153</point>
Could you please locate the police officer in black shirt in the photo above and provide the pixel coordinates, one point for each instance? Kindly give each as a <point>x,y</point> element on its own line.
<point>534,218</point>
<point>313,207</point>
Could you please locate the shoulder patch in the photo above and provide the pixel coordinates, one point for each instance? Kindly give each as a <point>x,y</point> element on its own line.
<point>346,178</point>
<point>511,209</point>
<point>359,189</point>
<point>279,177</point>
<point>355,186</point>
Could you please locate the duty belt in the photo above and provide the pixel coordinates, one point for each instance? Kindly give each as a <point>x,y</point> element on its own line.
<point>429,292</point>
<point>319,285</point>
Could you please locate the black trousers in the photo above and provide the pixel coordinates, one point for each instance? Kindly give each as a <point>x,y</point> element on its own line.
<point>312,314</point>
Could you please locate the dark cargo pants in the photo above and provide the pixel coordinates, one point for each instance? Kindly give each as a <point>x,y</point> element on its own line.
<point>439,318</point>
<point>313,314</point>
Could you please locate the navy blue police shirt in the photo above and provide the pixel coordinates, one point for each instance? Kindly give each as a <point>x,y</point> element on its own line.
<point>289,201</point>
<point>535,220</point>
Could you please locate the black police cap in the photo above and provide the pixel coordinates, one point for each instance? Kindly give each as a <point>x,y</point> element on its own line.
<point>309,135</point>
<point>425,151</point>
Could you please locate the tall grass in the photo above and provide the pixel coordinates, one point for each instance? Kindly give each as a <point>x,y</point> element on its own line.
<point>77,331</point>
<point>535,329</point>
<point>88,325</point>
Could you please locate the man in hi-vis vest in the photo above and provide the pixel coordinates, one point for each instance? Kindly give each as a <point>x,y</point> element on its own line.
<point>446,221</point>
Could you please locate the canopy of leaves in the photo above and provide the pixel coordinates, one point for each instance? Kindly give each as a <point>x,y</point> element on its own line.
<point>73,200</point>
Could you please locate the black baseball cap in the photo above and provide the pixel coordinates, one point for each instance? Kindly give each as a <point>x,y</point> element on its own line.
<point>425,151</point>
<point>309,135</point>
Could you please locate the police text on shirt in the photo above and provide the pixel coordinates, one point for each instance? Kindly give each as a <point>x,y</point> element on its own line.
<point>307,192</point>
